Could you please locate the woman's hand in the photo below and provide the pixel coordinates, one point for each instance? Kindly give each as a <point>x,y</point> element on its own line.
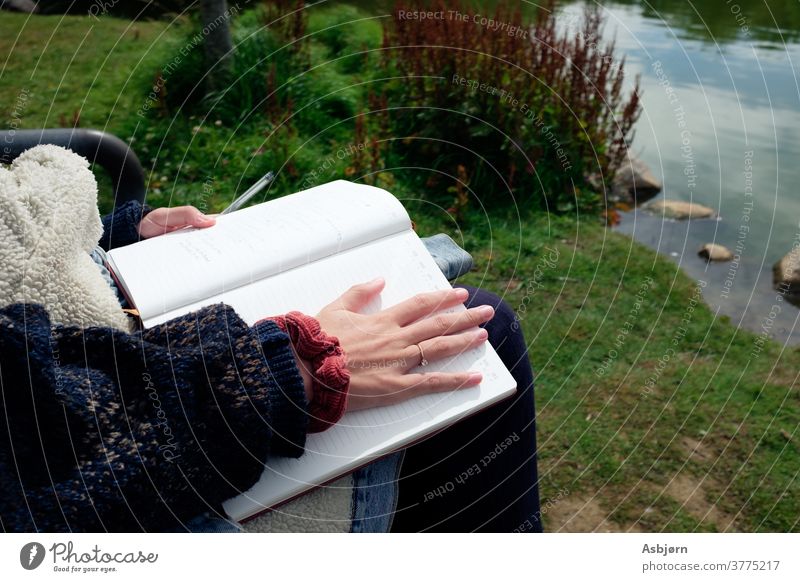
<point>381,348</point>
<point>163,220</point>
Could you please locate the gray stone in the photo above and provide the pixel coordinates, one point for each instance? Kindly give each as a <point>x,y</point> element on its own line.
<point>635,181</point>
<point>715,252</point>
<point>786,274</point>
<point>679,209</point>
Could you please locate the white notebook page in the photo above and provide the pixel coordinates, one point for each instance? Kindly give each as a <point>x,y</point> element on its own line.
<point>168,272</point>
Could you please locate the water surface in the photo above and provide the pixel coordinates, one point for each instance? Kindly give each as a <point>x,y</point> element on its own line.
<point>720,127</point>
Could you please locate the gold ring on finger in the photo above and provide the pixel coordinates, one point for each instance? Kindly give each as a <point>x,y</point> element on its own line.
<point>422,360</point>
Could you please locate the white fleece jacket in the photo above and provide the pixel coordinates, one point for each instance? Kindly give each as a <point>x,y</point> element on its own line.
<point>49,224</point>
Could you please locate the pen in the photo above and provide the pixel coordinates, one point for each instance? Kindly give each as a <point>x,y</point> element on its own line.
<point>252,191</point>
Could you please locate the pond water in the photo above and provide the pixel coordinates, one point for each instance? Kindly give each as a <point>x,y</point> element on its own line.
<point>720,127</point>
<point>725,136</point>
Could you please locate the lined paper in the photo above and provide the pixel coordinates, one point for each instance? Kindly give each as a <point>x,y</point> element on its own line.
<point>165,273</point>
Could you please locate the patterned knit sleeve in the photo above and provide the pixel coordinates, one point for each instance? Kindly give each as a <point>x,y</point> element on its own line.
<point>121,227</point>
<point>102,430</point>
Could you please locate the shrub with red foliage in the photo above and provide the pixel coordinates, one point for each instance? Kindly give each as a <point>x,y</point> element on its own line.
<point>526,110</point>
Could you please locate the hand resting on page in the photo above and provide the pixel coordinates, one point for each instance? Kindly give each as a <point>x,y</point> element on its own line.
<point>382,348</point>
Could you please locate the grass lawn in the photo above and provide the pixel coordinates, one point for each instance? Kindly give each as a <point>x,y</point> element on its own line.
<point>653,414</point>
<point>55,70</point>
<point>78,66</point>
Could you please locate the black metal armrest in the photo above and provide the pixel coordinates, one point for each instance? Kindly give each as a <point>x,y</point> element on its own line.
<point>103,149</point>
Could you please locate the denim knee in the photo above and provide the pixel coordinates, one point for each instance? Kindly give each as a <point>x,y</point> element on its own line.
<point>504,320</point>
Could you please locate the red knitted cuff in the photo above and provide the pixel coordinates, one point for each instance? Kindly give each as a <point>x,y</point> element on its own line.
<point>328,365</point>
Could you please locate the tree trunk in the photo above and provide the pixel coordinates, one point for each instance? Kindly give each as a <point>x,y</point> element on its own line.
<point>218,43</point>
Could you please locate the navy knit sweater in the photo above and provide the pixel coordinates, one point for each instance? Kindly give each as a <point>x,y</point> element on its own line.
<point>106,431</point>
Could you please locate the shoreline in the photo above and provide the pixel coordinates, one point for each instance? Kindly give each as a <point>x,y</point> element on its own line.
<point>743,293</point>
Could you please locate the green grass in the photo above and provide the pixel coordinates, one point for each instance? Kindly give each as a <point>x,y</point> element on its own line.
<point>76,65</point>
<point>210,140</point>
<point>602,436</point>
<point>66,71</point>
<point>718,421</point>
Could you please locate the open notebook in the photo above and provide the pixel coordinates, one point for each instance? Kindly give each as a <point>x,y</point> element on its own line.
<point>301,252</point>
